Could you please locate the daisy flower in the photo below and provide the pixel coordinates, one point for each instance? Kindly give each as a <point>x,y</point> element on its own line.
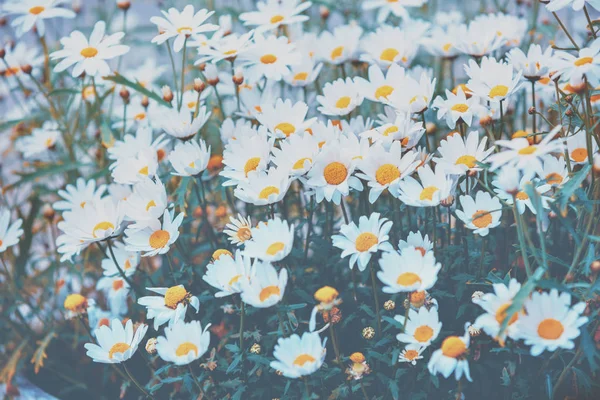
<point>457,107</point>
<point>303,74</point>
<point>179,124</point>
<point>239,230</point>
<point>265,288</point>
<point>183,342</point>
<point>460,155</point>
<point>479,39</point>
<point>230,129</point>
<point>284,118</point>
<point>296,153</point>
<point>415,96</point>
<point>116,290</point>
<point>508,27</point>
<point>495,306</point>
<point>30,13</point>
<point>270,57</point>
<point>271,241</point>
<point>411,354</point>
<point>388,45</point>
<point>224,48</point>
<point>442,42</point>
<point>131,145</point>
<point>576,5</point>
<point>359,242</point>
<point>147,203</point>
<point>127,260</point>
<point>40,141</point>
<point>422,328</point>
<point>522,198</point>
<point>535,64</point>
<point>492,80</point>
<point>328,298</point>
<point>452,357</point>
<point>340,97</point>
<point>574,68</point>
<point>227,274</point>
<point>117,343</point>
<point>410,271</point>
<point>550,322</point>
<point>272,14</point>
<point>480,214</point>
<point>340,46</point>
<point>133,169</point>
<point>433,188</point>
<point>554,172</point>
<point>577,147</point>
<point>384,169</point>
<point>416,240</point>
<point>181,25</point>
<point>170,306</point>
<point>89,56</point>
<point>9,233</point>
<point>245,156</point>
<point>297,356</point>
<point>78,195</point>
<point>189,158</point>
<point>156,238</point>
<point>264,187</point>
<point>395,7</point>
<point>397,126</point>
<point>379,86</point>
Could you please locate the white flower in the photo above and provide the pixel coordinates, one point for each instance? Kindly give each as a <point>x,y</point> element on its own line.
<point>224,48</point>
<point>131,145</point>
<point>147,203</point>
<point>535,64</point>
<point>451,357</point>
<point>554,172</point>
<point>183,342</point>
<point>299,356</point>
<point>379,86</point>
<point>264,187</point>
<point>411,354</point>
<point>271,241</point>
<point>415,96</point>
<point>116,291</point>
<point>116,343</point>
<point>227,273</point>
<point>389,45</point>
<point>395,7</point>
<point>89,56</point>
<point>40,141</point>
<point>422,328</point>
<point>133,169</point>
<point>238,230</point>
<point>480,214</point>
<point>457,107</point>
<point>30,13</point>
<point>495,306</point>
<point>339,97</point>
<point>189,158</point>
<point>270,57</point>
<point>492,80</point>
<point>460,155</point>
<point>578,149</point>
<point>577,5</point>
<point>272,14</point>
<point>179,124</point>
<point>522,198</point>
<point>574,68</point>
<point>128,261</point>
<point>396,126</point>
<point>181,25</point>
<point>296,154</point>
<point>245,156</point>
<point>79,195</point>
<point>156,238</point>
<point>170,306</point>
<point>416,240</point>
<point>340,46</point>
<point>434,187</point>
<point>265,288</point>
<point>411,271</point>
<point>284,118</point>
<point>9,233</point>
<point>479,39</point>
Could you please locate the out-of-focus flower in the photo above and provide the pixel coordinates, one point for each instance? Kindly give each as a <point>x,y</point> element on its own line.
<point>30,13</point>
<point>297,356</point>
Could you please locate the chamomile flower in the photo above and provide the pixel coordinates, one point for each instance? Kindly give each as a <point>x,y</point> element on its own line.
<point>183,342</point>
<point>270,57</point>
<point>398,126</point>
<point>264,187</point>
<point>411,354</point>
<point>245,156</point>
<point>147,203</point>
<point>479,39</point>
<point>227,273</point>
<point>297,356</point>
<point>231,130</point>
<point>550,322</point>
<point>303,74</point>
<point>127,261</point>
<point>272,14</point>
<point>271,241</point>
<point>574,68</point>
<point>131,145</point>
<point>115,289</point>
<point>170,306</point>
<point>133,169</point>
<point>238,230</point>
<point>284,118</point>
<point>296,153</point>
<point>89,56</point>
<point>521,196</point>
<point>576,5</point>
<point>410,271</point>
<point>422,328</point>
<point>554,172</point>
<point>340,97</point>
<point>9,233</point>
<point>452,357</point>
<point>416,240</point>
<point>339,46</point>
<point>360,242</point>
<point>379,86</point>
<point>116,343</point>
<point>535,64</point>
<point>384,169</point>
<point>40,141</point>
<point>460,155</point>
<point>433,188</point>
<point>442,42</point>
<point>510,28</point>
<point>495,306</point>
<point>179,125</point>
<point>457,107</point>
<point>480,214</point>
<point>415,96</point>
<point>157,238</point>
<point>78,195</point>
<point>396,7</point>
<point>266,288</point>
<point>30,13</point>
<point>577,147</point>
<point>388,45</point>
<point>181,25</point>
<point>224,48</point>
<point>492,80</point>
<point>189,158</point>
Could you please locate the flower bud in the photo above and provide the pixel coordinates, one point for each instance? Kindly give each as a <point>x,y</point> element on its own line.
<point>27,68</point>
<point>212,74</point>
<point>324,12</point>
<point>124,4</point>
<point>238,76</point>
<point>199,85</point>
<point>151,345</point>
<point>145,101</point>
<point>124,93</point>
<point>167,94</point>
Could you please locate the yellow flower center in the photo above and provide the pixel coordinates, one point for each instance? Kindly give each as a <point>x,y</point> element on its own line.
<point>337,52</point>
<point>335,173</point>
<point>481,218</point>
<point>365,241</point>
<point>343,102</point>
<point>583,61</point>
<point>127,264</point>
<point>186,30</point>
<point>117,284</point>
<point>175,295</point>
<point>528,150</point>
<point>159,239</point>
<point>184,348</point>
<point>417,299</point>
<point>386,174</point>
<point>383,91</point>
<point>251,165</point>
<point>550,329</point>
<point>75,302</point>
<point>522,196</point>
<point>229,52</point>
<point>411,354</point>
<point>447,47</point>
<point>326,294</point>
<point>301,76</point>
<point>266,192</point>
<point>244,233</point>
<point>36,10</point>
<point>498,91</point>
<point>300,163</point>
<point>389,130</point>
<point>89,52</point>
<point>501,314</point>
<point>579,155</point>
<point>554,178</point>
<point>408,279</point>
<point>286,128</point>
<point>234,280</point>
<point>275,248</point>
<point>140,116</point>
<point>119,347</point>
<point>268,59</point>
<point>389,54</point>
<point>467,160</point>
<point>268,292</point>
<point>423,333</point>
<point>276,18</point>
<point>427,193</point>
<point>303,359</point>
<point>191,104</point>
<point>357,357</point>
<point>102,226</point>
<point>221,252</point>
<point>460,107</point>
<point>143,171</point>
<point>453,346</point>
<point>150,204</point>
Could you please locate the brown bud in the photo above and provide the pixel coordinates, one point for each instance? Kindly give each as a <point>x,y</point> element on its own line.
<point>124,93</point>
<point>167,94</point>
<point>531,110</point>
<point>569,98</point>
<point>199,85</point>
<point>48,212</point>
<point>27,68</point>
<point>324,12</point>
<point>2,53</point>
<point>145,101</point>
<point>595,266</point>
<point>569,113</point>
<point>486,121</point>
<point>3,21</point>
<point>124,5</point>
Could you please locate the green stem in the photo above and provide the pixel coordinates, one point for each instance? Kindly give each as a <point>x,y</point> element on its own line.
<point>376,298</point>
<point>565,30</point>
<point>180,102</point>
<point>136,383</point>
<point>121,272</point>
<point>521,237</point>
<point>174,70</point>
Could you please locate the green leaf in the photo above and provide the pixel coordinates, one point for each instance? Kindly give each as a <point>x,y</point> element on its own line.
<point>41,172</point>
<point>121,80</point>
<point>573,184</point>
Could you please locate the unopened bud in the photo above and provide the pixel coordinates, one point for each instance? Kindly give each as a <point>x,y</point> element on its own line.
<point>124,93</point>
<point>569,98</point>
<point>595,266</point>
<point>167,94</point>
<point>48,212</point>
<point>531,110</point>
<point>3,21</point>
<point>486,121</point>
<point>447,202</point>
<point>569,113</point>
<point>238,77</point>
<point>212,74</point>
<point>324,12</point>
<point>199,85</point>
<point>430,128</point>
<point>124,5</point>
<point>27,68</point>
<point>145,101</point>
<point>151,345</point>
<point>2,53</point>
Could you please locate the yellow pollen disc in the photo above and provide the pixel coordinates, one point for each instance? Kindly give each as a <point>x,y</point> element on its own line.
<point>386,174</point>
<point>335,173</point>
<point>117,284</point>
<point>300,163</point>
<point>365,241</point>
<point>75,302</point>
<point>89,52</point>
<point>326,294</point>
<point>191,104</point>
<point>498,91</point>
<point>460,107</point>
<point>102,226</point>
<point>234,280</point>
<point>481,218</point>
<point>337,52</point>
<point>421,249</point>
<point>453,346</point>
<point>266,192</point>
<point>528,150</point>
<point>417,299</point>
<point>286,128</point>
<point>268,59</point>
<point>192,165</point>
<point>579,155</point>
<point>428,192</point>
<point>159,239</point>
<point>321,144</point>
<point>49,142</point>
<point>388,131</point>
<point>150,204</point>
<point>408,279</point>
<point>583,61</point>
<point>175,295</point>
<point>343,102</point>
<point>251,165</point>
<point>357,357</point>
<point>466,160</point>
<point>140,117</point>
<point>184,348</point>
<point>185,30</point>
<point>229,52</point>
<point>501,314</point>
<point>303,359</point>
<point>36,10</point>
<point>275,248</point>
<point>82,204</point>
<point>268,292</point>
<point>447,47</point>
<point>550,329</point>
<point>258,108</point>
<point>383,91</point>
<point>411,354</point>
<point>221,252</point>
<point>554,178</point>
<point>244,233</point>
<point>301,76</point>
<point>423,333</point>
<point>127,264</point>
<point>143,171</point>
<point>118,348</point>
<point>276,18</point>
<point>103,322</point>
<point>389,54</point>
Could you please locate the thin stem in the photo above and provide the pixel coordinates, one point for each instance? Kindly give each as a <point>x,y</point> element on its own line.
<point>434,223</point>
<point>334,342</point>
<point>174,70</point>
<point>197,382</point>
<point>362,387</point>
<point>343,207</point>
<point>121,272</point>
<point>180,102</point>
<point>376,298</point>
<point>306,388</point>
<point>565,30</point>
<point>483,244</point>
<point>521,238</point>
<point>242,315</point>
<point>589,20</point>
<point>533,103</point>
<point>136,383</point>
<point>310,225</point>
